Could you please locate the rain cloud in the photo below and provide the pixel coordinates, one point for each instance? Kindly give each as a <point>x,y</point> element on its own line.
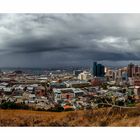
<point>47,40</point>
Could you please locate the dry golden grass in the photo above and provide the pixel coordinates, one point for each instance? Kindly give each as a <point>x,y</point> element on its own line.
<point>98,117</point>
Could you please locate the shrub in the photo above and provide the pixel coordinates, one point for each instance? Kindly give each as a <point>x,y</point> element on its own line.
<point>12,105</point>
<point>69,109</point>
<point>57,108</point>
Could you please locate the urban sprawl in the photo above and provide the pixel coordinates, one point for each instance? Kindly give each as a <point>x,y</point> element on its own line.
<point>61,90</point>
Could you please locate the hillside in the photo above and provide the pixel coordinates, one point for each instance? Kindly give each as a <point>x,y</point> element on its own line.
<point>98,117</point>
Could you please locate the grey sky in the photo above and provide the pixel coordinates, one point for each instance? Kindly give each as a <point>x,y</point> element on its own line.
<point>43,40</point>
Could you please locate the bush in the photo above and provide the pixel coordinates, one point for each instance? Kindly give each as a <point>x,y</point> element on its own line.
<point>69,109</point>
<point>57,108</point>
<point>131,105</point>
<point>12,105</point>
<point>104,86</point>
<point>40,109</point>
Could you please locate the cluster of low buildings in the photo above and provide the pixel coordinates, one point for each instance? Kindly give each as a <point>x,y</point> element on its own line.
<point>81,89</point>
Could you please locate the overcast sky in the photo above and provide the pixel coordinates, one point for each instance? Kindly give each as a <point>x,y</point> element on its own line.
<point>44,40</point>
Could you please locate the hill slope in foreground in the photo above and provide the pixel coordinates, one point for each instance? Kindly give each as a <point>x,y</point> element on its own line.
<point>98,117</point>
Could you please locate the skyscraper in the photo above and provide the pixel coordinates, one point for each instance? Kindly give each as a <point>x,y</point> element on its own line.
<point>94,69</point>
<point>98,70</point>
<point>130,70</point>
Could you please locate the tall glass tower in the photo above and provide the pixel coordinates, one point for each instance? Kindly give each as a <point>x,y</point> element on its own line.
<point>98,70</point>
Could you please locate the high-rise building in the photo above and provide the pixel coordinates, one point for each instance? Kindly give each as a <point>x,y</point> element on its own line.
<point>133,71</point>
<point>94,69</point>
<point>110,74</point>
<point>102,71</point>
<point>136,71</point>
<point>98,70</point>
<point>130,70</point>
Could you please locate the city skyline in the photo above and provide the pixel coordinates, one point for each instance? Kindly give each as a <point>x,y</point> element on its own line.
<point>51,40</point>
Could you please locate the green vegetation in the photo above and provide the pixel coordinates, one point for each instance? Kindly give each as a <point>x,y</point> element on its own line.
<point>57,108</point>
<point>104,86</point>
<point>11,105</point>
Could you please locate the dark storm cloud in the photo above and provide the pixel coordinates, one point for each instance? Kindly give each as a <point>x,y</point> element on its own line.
<point>39,45</point>
<point>39,39</point>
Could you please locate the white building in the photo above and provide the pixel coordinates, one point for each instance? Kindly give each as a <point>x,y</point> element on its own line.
<point>84,76</point>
